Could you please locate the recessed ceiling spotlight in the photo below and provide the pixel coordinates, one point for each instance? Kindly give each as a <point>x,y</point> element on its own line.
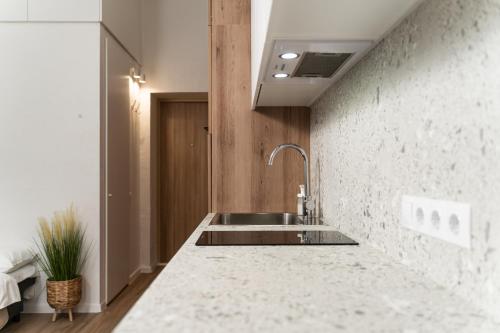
<point>280,75</point>
<point>289,55</point>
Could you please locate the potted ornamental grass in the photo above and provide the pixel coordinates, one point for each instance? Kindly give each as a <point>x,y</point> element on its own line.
<point>62,252</point>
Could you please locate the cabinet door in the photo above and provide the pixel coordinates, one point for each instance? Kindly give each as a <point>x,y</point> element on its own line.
<point>118,169</point>
<point>13,10</point>
<point>64,10</point>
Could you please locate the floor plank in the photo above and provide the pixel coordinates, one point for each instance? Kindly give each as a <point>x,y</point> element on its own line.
<point>84,322</point>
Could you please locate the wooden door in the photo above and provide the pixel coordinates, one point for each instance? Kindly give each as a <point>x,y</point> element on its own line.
<point>118,169</point>
<point>183,173</point>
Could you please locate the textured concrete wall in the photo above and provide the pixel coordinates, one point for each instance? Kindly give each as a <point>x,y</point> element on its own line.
<point>420,115</point>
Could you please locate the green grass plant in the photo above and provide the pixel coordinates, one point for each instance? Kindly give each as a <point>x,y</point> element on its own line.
<point>62,247</point>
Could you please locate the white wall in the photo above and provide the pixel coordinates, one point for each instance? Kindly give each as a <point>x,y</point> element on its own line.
<point>175,59</point>
<point>123,19</point>
<point>49,134</point>
<point>175,44</point>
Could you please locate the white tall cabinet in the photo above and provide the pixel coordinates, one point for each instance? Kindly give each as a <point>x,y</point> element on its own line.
<point>67,129</point>
<point>50,10</point>
<point>64,10</point>
<point>118,92</point>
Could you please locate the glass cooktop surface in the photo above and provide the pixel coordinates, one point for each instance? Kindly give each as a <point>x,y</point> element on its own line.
<point>274,237</point>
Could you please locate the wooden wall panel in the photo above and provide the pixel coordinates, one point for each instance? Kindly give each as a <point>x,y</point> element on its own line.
<point>274,188</point>
<point>242,139</point>
<point>231,12</point>
<point>231,118</point>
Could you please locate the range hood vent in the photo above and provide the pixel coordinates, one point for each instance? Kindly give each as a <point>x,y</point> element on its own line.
<point>320,65</point>
<point>299,81</point>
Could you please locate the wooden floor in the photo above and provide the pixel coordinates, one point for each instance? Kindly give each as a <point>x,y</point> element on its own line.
<point>82,323</point>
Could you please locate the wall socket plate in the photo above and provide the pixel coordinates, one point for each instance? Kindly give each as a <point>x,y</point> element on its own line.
<point>446,220</point>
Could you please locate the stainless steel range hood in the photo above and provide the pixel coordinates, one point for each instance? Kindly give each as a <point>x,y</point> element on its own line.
<point>329,36</point>
<point>318,65</point>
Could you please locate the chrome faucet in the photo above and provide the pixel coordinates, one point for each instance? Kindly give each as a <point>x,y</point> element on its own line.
<point>308,202</point>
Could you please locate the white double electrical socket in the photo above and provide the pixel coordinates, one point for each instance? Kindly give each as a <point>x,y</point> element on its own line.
<point>446,220</point>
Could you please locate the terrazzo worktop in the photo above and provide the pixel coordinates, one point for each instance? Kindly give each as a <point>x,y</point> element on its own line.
<point>295,289</point>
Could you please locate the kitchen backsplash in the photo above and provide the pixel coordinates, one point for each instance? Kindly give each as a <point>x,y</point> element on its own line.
<point>420,115</point>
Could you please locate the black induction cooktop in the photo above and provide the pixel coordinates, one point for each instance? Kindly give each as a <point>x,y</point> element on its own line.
<point>280,237</point>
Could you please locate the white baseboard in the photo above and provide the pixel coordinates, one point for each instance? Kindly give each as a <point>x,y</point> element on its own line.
<point>45,308</point>
<point>146,269</point>
<point>89,308</point>
<point>134,275</point>
<point>37,308</point>
<point>103,306</point>
<point>140,270</point>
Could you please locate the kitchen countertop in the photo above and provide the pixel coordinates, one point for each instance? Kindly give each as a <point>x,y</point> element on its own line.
<point>295,289</point>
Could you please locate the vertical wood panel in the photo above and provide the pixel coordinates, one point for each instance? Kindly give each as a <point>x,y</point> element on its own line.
<point>231,118</point>
<point>231,12</point>
<point>209,134</point>
<point>242,139</point>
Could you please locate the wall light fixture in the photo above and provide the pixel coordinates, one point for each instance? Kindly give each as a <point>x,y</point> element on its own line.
<point>137,76</point>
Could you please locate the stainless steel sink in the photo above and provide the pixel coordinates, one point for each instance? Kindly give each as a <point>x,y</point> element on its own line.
<point>262,219</point>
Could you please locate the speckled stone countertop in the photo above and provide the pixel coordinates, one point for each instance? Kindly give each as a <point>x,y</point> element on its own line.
<point>295,289</point>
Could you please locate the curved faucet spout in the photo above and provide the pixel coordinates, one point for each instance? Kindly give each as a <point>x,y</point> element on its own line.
<point>304,156</point>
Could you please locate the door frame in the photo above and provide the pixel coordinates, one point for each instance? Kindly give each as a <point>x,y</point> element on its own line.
<point>156,100</point>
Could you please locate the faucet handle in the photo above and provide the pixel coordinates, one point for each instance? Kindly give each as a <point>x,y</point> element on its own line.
<point>302,191</point>
<point>310,203</point>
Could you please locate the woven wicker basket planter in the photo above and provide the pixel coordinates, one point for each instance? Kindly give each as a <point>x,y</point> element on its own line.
<point>64,295</point>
